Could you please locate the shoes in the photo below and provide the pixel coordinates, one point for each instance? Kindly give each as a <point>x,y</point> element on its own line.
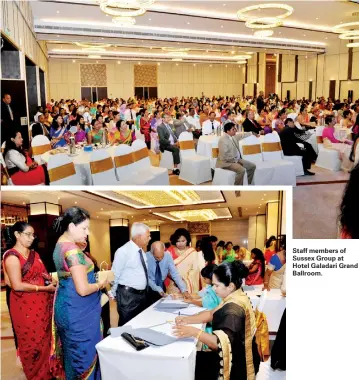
<point>176,171</point>
<point>307,172</point>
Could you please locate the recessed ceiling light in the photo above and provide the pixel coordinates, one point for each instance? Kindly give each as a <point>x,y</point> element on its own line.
<point>58,36</point>
<point>57,11</point>
<point>176,64</point>
<point>96,216</point>
<point>221,26</point>
<point>119,62</point>
<point>317,18</point>
<point>194,64</point>
<point>303,35</point>
<point>149,19</point>
<point>158,63</point>
<point>101,209</point>
<point>239,66</point>
<point>232,52</point>
<point>224,5</point>
<point>74,60</point>
<point>139,63</point>
<point>75,203</point>
<point>188,23</point>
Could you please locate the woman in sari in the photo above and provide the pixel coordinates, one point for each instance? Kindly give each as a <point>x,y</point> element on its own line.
<point>95,136</point>
<point>22,169</point>
<point>80,135</point>
<point>274,274</point>
<point>188,262</point>
<point>57,132</point>
<point>270,248</point>
<point>145,127</point>
<point>122,135</point>
<point>30,302</point>
<point>234,354</point>
<point>219,251</point>
<point>256,268</point>
<point>155,122</point>
<point>77,305</point>
<point>228,254</point>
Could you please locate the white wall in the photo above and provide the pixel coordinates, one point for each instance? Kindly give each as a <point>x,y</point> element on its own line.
<point>100,240</point>
<point>256,232</point>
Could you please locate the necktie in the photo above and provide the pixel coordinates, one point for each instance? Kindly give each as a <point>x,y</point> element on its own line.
<point>171,133</point>
<point>234,143</point>
<point>144,266</point>
<point>212,126</point>
<point>10,112</point>
<point>158,274</point>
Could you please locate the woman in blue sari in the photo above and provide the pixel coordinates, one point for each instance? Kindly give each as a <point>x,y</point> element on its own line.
<point>77,308</point>
<point>58,132</point>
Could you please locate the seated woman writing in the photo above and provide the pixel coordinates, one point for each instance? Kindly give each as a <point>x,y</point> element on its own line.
<point>234,353</point>
<point>122,134</point>
<point>22,169</point>
<point>95,136</point>
<point>256,268</point>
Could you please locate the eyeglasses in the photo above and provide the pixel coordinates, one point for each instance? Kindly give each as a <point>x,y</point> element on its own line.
<point>29,234</point>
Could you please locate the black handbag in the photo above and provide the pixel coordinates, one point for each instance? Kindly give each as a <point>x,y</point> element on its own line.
<point>137,343</point>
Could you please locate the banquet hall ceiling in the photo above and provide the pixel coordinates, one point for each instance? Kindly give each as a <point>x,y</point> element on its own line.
<point>99,205</point>
<point>210,29</point>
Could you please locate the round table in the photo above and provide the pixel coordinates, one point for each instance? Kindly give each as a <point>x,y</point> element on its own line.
<point>82,163</point>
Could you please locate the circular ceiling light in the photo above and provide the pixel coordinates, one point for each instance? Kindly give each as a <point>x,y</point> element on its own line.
<point>353,44</point>
<point>125,8</point>
<point>92,46</point>
<point>124,21</point>
<point>242,13</point>
<point>341,28</point>
<point>263,33</point>
<point>263,23</point>
<point>350,35</point>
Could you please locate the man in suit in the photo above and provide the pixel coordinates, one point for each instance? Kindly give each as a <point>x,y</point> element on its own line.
<point>289,137</point>
<point>169,141</point>
<point>39,127</point>
<point>251,125</point>
<point>229,155</point>
<point>182,125</point>
<point>7,117</point>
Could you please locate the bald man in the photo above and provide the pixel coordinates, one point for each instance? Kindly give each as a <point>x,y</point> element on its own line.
<point>160,265</point>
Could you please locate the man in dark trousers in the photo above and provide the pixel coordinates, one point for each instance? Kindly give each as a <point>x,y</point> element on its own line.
<point>289,139</point>
<point>7,117</point>
<point>260,102</point>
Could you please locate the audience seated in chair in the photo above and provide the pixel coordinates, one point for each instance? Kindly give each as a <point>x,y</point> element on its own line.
<point>251,125</point>
<point>168,141</point>
<point>289,140</point>
<point>229,156</point>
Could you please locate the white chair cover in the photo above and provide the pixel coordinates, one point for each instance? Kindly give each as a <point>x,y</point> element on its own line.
<point>267,373</point>
<point>273,123</point>
<point>327,158</point>
<point>125,173</point>
<point>40,145</point>
<point>292,116</point>
<point>166,160</point>
<point>223,177</point>
<point>138,134</point>
<point>194,168</point>
<point>58,160</point>
<point>271,148</point>
<point>102,176</point>
<point>160,175</point>
<point>250,149</point>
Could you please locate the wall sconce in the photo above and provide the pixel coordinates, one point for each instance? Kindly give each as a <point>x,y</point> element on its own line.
<point>42,208</point>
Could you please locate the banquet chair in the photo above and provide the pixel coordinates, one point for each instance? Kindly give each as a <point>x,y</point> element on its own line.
<point>5,177</point>
<point>223,177</point>
<point>102,169</point>
<point>262,332</point>
<point>40,144</point>
<point>297,160</point>
<point>62,171</point>
<point>3,147</point>
<point>284,170</point>
<point>124,168</point>
<point>166,160</point>
<point>195,169</point>
<point>273,123</point>
<point>142,164</point>
<point>327,158</point>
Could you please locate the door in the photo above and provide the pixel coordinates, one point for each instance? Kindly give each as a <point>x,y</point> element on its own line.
<point>139,92</point>
<point>31,84</point>
<point>152,92</point>
<point>42,88</point>
<point>101,92</point>
<point>332,84</point>
<point>86,93</point>
<point>17,90</point>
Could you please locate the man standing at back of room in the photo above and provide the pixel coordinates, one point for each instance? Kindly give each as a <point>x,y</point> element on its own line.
<point>131,275</point>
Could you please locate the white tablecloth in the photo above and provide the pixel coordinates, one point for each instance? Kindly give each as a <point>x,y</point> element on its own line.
<point>176,361</point>
<point>82,163</point>
<point>273,307</point>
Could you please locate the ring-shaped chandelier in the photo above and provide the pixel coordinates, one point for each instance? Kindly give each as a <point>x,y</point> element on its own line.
<point>343,28</point>
<point>263,23</point>
<point>241,14</point>
<point>125,8</point>
<point>92,46</point>
<point>352,35</point>
<point>175,49</point>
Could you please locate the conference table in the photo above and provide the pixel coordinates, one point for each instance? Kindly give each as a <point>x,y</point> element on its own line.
<point>176,361</point>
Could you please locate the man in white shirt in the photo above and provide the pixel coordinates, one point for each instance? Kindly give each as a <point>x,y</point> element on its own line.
<point>131,276</point>
<point>130,115</point>
<point>192,119</point>
<point>39,112</point>
<point>210,126</point>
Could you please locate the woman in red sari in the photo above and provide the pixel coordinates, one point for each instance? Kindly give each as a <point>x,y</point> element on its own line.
<point>256,268</point>
<point>145,127</point>
<point>31,300</point>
